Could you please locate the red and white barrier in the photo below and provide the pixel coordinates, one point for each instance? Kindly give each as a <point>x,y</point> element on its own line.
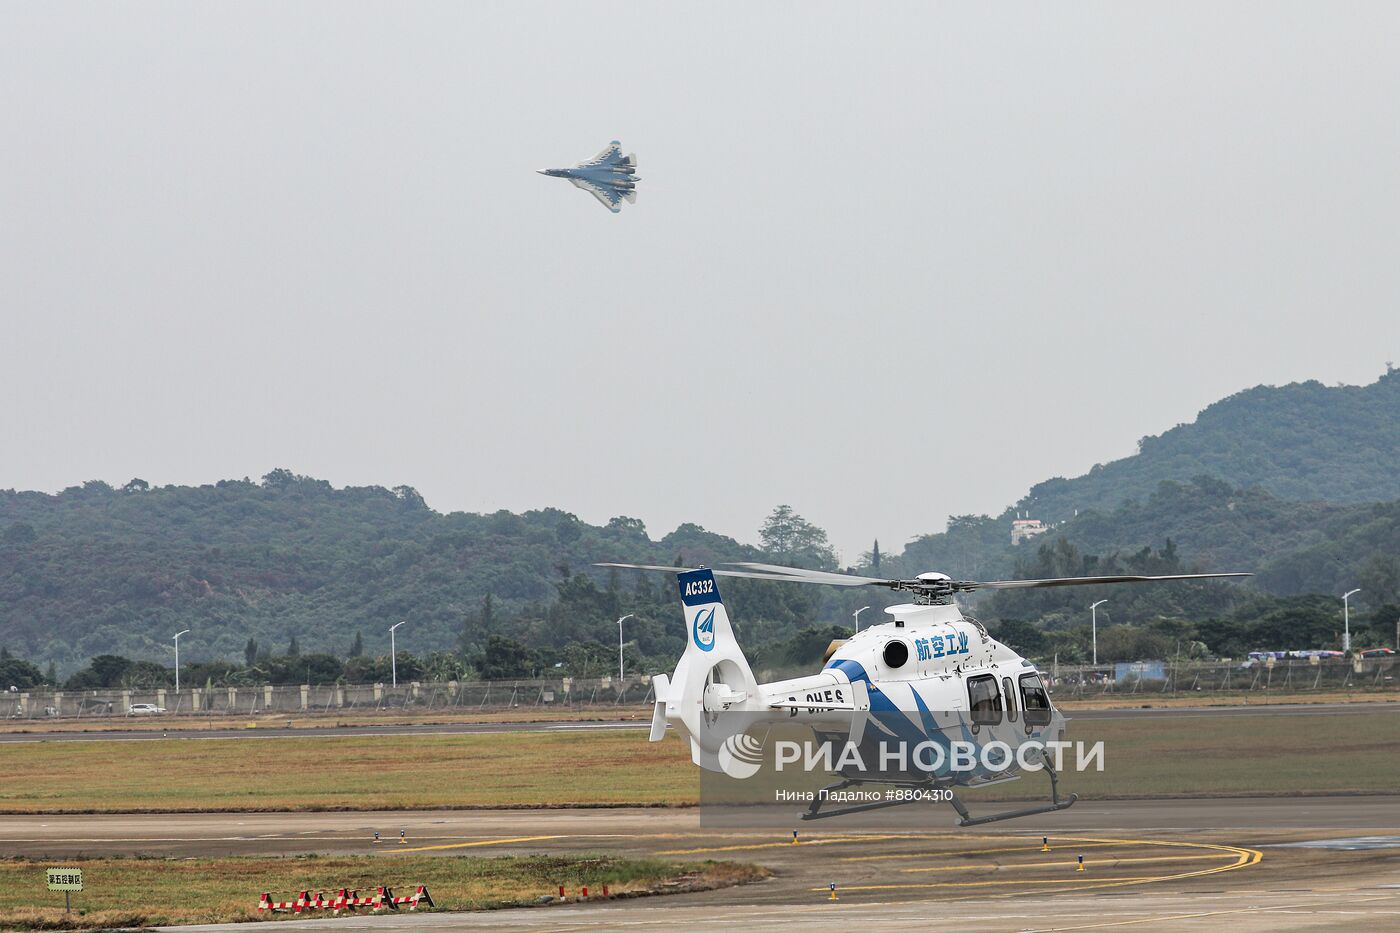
<point>420,896</point>
<point>346,899</point>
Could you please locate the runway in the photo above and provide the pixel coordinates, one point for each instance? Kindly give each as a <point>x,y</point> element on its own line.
<point>308,728</point>
<point>1147,862</point>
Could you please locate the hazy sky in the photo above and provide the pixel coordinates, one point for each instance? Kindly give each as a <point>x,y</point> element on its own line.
<point>888,262</point>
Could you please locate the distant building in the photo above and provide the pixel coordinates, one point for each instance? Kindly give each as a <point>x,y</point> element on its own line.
<point>1023,528</point>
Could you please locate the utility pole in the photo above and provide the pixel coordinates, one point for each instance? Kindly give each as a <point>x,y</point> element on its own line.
<point>394,653</point>
<point>1346,620</point>
<point>857,615</point>
<point>1094,623</point>
<point>619,648</point>
<point>177,662</point>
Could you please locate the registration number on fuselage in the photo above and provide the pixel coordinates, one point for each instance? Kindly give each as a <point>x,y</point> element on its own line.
<point>816,697</point>
<point>699,588</point>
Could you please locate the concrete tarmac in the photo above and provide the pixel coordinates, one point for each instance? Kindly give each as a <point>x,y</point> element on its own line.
<point>1161,864</point>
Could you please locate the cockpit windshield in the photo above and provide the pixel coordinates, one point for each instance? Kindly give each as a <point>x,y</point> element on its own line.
<point>1034,700</point>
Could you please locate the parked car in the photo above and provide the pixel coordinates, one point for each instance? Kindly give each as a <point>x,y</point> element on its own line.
<point>145,709</point>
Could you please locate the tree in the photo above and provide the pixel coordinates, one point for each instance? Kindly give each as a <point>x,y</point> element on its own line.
<point>1021,636</point>
<point>17,673</point>
<point>506,659</point>
<point>875,557</point>
<point>357,648</point>
<point>293,649</point>
<point>787,536</point>
<point>488,614</point>
<point>103,672</point>
<point>250,652</point>
<point>20,533</point>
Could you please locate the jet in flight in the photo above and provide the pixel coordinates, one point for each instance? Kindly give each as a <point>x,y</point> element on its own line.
<point>607,176</point>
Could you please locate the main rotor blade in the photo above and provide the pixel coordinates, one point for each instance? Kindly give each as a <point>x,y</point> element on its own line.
<point>802,575</point>
<point>1089,581</point>
<point>746,574</point>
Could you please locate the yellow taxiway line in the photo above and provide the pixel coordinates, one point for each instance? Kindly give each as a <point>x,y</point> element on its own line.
<point>468,845</point>
<point>1243,858</point>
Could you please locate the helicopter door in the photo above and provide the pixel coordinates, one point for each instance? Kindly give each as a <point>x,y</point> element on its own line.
<point>984,701</point>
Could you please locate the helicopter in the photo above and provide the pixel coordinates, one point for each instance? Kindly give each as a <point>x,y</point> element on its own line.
<point>931,677</point>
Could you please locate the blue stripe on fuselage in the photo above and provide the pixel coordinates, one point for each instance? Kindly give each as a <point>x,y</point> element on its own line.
<point>852,669</point>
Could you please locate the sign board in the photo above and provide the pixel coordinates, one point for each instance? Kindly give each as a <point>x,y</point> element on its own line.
<point>65,879</point>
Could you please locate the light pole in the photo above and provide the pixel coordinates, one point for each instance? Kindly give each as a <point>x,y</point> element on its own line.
<point>857,615</point>
<point>1346,620</point>
<point>619,645</point>
<point>177,661</point>
<point>394,653</point>
<point>1094,609</point>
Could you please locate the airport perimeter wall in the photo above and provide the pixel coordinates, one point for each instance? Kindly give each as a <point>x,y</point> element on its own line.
<point>1066,682</point>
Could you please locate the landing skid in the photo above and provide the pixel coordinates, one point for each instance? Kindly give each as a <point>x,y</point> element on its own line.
<point>814,812</point>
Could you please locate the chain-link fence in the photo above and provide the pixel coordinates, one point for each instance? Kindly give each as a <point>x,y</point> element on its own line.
<point>1072,681</point>
<point>1067,681</point>
<point>465,697</point>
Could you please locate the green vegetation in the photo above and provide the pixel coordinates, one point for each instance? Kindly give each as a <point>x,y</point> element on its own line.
<point>247,566</point>
<point>1304,442</point>
<point>289,580</point>
<point>142,892</point>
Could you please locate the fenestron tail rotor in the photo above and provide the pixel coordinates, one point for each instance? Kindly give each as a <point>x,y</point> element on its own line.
<point>926,586</point>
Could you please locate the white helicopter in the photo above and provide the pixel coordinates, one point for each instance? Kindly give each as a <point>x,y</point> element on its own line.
<point>930,675</point>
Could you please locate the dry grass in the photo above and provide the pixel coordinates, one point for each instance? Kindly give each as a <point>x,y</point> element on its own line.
<point>1299,752</point>
<point>147,892</point>
<point>1285,754</point>
<point>350,772</point>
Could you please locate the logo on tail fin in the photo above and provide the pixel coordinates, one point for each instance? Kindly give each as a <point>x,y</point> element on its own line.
<point>703,629</point>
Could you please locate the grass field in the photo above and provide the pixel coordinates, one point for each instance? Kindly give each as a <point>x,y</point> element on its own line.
<point>1292,753</point>
<point>146,892</point>
<point>1217,755</point>
<point>350,772</point>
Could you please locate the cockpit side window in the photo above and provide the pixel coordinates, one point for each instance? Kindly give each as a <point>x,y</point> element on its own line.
<point>983,700</point>
<point>1034,700</point>
<point>1010,694</point>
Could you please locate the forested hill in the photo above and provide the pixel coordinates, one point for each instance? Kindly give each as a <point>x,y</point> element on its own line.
<point>1300,484</point>
<point>97,569</point>
<point>1304,442</point>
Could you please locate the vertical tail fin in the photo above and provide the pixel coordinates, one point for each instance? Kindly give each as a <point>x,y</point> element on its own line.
<point>713,677</point>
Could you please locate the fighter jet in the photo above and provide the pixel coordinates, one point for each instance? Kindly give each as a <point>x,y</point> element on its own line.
<point>607,176</point>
